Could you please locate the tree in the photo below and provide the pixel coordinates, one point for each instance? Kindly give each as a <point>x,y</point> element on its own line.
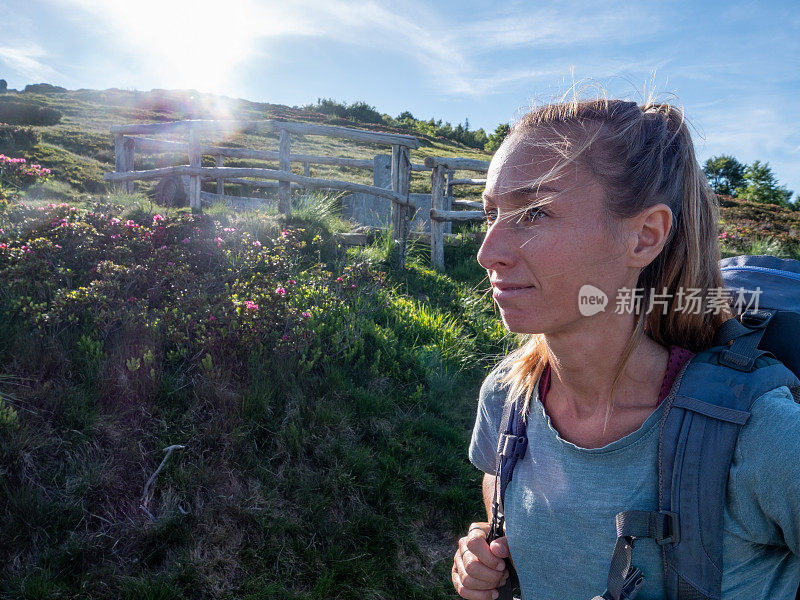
<point>494,141</point>
<point>762,186</point>
<point>724,174</point>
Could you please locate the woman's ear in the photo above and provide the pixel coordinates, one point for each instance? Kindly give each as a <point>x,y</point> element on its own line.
<point>649,230</point>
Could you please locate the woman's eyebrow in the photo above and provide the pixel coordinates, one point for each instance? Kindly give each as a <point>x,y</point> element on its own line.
<point>526,190</point>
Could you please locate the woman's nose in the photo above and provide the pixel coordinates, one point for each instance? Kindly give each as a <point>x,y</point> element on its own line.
<point>494,250</point>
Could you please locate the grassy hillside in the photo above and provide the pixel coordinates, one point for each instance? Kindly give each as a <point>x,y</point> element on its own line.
<point>324,403</point>
<point>322,400</point>
<point>80,147</point>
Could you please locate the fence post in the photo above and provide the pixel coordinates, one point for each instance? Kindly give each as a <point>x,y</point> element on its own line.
<point>284,189</point>
<point>220,181</point>
<point>438,200</point>
<point>448,190</point>
<point>306,173</point>
<point>195,160</point>
<point>128,148</point>
<point>119,160</point>
<point>401,175</point>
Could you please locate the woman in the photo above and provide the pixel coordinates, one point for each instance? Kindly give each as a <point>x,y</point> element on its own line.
<point>605,199</point>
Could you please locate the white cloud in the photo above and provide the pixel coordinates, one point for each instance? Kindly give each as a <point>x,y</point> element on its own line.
<point>25,62</point>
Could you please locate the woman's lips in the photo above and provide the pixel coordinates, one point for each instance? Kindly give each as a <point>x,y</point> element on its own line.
<point>500,294</point>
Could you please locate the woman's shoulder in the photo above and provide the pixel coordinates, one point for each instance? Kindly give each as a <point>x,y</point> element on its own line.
<point>493,383</point>
<point>768,446</point>
<point>773,415</point>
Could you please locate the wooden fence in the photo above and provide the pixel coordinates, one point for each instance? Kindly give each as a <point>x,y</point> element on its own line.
<point>442,202</point>
<point>129,139</point>
<point>126,144</point>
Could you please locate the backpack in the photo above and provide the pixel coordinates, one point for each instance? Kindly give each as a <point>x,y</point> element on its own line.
<point>709,402</point>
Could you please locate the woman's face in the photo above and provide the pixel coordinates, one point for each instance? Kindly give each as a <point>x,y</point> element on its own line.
<point>548,252</point>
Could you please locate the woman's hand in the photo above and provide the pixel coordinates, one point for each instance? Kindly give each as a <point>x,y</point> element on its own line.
<point>478,567</point>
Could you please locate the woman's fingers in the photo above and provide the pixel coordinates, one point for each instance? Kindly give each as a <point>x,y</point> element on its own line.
<point>477,572</point>
<point>471,594</point>
<point>475,542</point>
<point>475,575</point>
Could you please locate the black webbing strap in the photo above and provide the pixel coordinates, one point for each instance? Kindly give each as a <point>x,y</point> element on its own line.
<point>624,579</point>
<point>746,333</point>
<point>506,448</point>
<point>496,527</point>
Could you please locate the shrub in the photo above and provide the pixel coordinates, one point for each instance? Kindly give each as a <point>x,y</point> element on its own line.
<point>14,137</point>
<point>17,173</point>
<point>44,88</point>
<point>24,113</point>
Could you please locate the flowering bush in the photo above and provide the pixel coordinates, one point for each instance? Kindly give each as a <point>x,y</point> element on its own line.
<point>16,173</point>
<point>190,286</point>
<point>16,137</point>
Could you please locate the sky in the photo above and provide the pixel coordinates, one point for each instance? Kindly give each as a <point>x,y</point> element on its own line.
<point>734,67</point>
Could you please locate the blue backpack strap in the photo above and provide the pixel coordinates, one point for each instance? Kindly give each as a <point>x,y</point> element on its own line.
<point>696,444</point>
<point>511,446</point>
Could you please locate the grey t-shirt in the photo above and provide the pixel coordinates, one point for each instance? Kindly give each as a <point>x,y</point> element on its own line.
<point>561,504</point>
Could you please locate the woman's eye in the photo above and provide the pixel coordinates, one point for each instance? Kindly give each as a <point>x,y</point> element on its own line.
<point>532,214</point>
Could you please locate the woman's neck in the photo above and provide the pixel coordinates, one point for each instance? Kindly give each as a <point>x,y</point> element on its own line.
<point>582,374</point>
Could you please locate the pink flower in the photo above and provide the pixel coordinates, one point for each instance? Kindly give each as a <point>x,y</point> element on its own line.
<point>3,246</point>
<point>353,285</point>
<point>157,218</point>
<point>57,247</point>
<point>170,264</point>
<point>305,314</point>
<point>339,279</point>
<point>218,240</point>
<point>114,221</point>
<point>132,299</point>
<point>115,236</point>
<point>163,248</point>
<point>228,229</point>
<point>130,223</point>
<point>285,338</point>
<point>212,318</point>
<point>292,282</point>
<point>185,241</point>
<point>256,243</point>
<point>280,291</point>
<point>250,305</point>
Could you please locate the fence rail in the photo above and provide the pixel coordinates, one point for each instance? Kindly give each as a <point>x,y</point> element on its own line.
<point>269,126</point>
<point>127,139</point>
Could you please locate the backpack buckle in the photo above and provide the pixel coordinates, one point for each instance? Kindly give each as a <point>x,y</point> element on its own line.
<point>671,533</point>
<point>756,319</point>
<point>513,445</point>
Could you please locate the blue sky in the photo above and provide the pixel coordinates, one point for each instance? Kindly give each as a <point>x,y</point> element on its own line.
<point>734,66</point>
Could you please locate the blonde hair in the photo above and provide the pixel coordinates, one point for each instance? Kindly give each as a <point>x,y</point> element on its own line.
<point>641,155</point>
